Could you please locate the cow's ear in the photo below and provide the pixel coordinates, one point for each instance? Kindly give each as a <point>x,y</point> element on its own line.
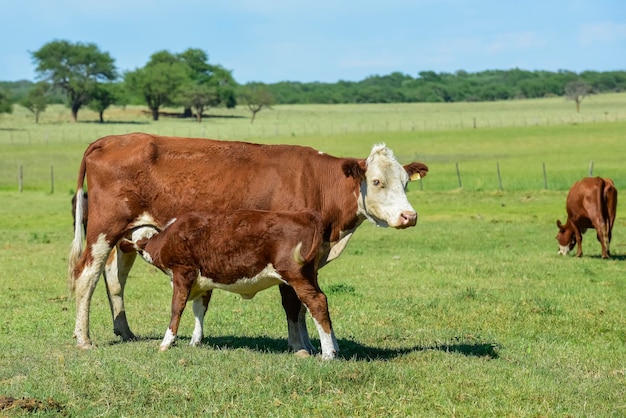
<point>354,169</point>
<point>560,225</point>
<point>416,170</point>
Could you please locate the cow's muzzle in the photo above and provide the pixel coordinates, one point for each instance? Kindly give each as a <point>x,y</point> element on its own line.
<point>407,219</point>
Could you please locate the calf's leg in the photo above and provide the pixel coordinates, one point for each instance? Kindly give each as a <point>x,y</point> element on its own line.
<point>181,281</point>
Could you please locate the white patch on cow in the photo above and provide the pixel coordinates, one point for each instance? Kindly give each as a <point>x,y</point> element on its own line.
<point>145,232</point>
<point>337,247</point>
<point>564,249</point>
<point>198,314</point>
<point>247,287</point>
<point>146,256</point>
<point>143,220</point>
<point>168,340</point>
<point>101,249</point>
<point>328,342</point>
<point>383,198</point>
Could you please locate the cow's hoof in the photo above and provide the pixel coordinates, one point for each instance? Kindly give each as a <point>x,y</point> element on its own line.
<point>86,346</point>
<point>163,348</point>
<point>302,353</point>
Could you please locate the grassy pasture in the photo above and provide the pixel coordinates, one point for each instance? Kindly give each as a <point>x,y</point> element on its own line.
<point>471,313</point>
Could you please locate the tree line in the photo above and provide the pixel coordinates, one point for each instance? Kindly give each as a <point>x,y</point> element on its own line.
<point>80,75</point>
<point>460,86</point>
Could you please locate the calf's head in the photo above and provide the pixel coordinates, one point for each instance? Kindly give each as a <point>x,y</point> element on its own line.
<point>383,181</point>
<point>565,237</point>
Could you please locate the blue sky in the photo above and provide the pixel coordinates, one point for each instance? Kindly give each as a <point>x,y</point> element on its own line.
<point>327,40</point>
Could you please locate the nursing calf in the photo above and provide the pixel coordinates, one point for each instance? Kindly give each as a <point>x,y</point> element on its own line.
<point>244,252</point>
<point>591,203</point>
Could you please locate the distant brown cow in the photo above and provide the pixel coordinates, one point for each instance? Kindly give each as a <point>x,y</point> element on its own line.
<point>591,203</point>
<point>244,252</point>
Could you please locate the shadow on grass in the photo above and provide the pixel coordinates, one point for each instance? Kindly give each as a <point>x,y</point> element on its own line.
<point>113,122</point>
<point>616,257</point>
<point>349,349</point>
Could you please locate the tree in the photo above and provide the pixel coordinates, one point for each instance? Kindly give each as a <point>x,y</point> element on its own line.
<point>199,97</point>
<point>577,90</point>
<point>37,99</point>
<point>159,82</point>
<point>5,103</point>
<point>256,96</point>
<point>214,84</point>
<point>103,96</point>
<point>74,68</point>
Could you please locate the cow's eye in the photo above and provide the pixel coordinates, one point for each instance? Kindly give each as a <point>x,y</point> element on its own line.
<point>376,182</point>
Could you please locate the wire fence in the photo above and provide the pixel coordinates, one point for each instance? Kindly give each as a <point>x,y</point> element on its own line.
<point>447,177</point>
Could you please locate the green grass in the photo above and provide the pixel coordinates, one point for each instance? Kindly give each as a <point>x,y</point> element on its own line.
<point>470,313</point>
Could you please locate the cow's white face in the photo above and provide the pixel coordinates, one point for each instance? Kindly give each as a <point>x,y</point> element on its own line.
<point>383,191</point>
<point>566,238</point>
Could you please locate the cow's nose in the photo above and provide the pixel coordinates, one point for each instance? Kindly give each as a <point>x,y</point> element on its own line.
<point>408,218</point>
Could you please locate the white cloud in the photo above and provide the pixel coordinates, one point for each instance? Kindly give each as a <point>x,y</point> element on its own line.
<point>514,41</point>
<point>592,33</point>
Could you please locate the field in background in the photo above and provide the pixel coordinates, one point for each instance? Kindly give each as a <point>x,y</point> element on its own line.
<point>521,137</point>
<point>470,313</point>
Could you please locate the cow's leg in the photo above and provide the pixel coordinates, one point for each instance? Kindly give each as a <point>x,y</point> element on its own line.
<point>87,273</point>
<point>603,237</point>
<point>579,242</point>
<point>315,301</point>
<point>200,306</point>
<point>181,281</point>
<point>298,335</point>
<point>116,271</point>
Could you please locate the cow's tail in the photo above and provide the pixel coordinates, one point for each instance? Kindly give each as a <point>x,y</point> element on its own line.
<point>316,241</point>
<point>76,248</point>
<point>609,195</point>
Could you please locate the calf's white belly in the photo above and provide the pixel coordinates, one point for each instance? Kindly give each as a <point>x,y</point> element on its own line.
<point>247,287</point>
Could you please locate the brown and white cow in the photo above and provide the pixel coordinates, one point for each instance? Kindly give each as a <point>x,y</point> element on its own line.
<point>244,252</point>
<point>140,179</point>
<point>591,203</point>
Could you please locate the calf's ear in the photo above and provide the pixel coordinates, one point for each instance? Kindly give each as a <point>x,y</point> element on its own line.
<point>416,170</point>
<point>354,169</point>
<point>126,246</point>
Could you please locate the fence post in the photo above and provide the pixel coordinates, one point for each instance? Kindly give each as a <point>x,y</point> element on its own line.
<point>51,179</point>
<point>499,177</point>
<point>591,168</point>
<point>545,177</point>
<point>20,179</point>
<point>458,175</point>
